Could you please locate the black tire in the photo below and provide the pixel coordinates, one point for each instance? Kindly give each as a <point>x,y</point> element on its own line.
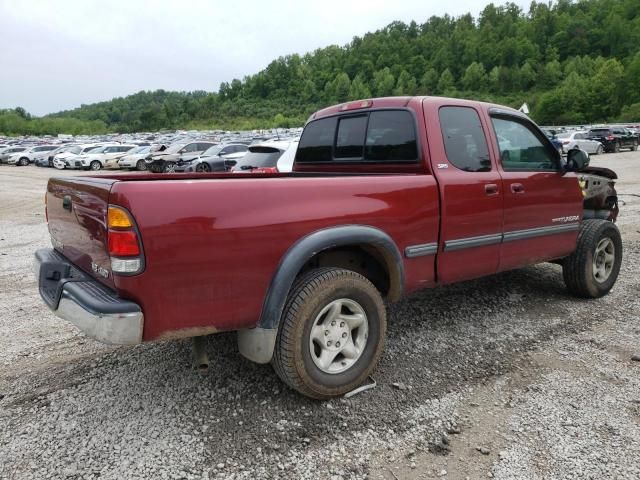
<point>310,294</point>
<point>203,167</point>
<point>95,165</point>
<point>578,268</point>
<point>169,167</point>
<point>23,162</point>
<point>141,165</point>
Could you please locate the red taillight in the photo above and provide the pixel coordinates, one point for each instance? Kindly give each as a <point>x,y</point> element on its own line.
<point>610,137</point>
<point>566,142</point>
<point>123,243</point>
<point>265,170</point>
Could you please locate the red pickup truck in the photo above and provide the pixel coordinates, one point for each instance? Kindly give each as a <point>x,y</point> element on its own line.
<point>387,196</point>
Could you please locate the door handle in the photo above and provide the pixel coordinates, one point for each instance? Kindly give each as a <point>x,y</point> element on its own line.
<point>517,188</point>
<point>491,189</point>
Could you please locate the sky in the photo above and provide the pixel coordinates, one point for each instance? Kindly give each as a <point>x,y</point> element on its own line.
<point>59,54</point>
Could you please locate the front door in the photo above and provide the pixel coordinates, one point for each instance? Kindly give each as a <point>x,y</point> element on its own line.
<point>542,204</point>
<point>470,192</point>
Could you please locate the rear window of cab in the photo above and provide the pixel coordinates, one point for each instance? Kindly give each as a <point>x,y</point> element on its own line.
<point>379,136</point>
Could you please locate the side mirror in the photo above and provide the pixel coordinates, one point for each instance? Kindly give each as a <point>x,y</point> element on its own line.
<point>576,160</point>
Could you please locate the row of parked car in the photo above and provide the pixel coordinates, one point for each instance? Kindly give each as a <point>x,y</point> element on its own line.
<point>596,140</point>
<point>259,155</point>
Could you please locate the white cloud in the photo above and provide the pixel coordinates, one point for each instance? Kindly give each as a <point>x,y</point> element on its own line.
<point>58,54</point>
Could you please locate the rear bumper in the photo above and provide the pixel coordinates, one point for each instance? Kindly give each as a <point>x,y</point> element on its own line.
<point>76,297</point>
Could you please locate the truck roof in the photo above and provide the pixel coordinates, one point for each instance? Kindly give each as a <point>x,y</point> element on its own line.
<point>390,102</point>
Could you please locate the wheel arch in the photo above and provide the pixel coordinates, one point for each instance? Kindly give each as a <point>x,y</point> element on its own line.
<point>363,241</point>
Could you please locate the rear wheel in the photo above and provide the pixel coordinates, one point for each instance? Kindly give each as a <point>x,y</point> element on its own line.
<point>616,147</point>
<point>634,147</point>
<point>331,334</point>
<point>592,270</point>
<point>141,165</point>
<point>95,165</point>
<point>203,167</point>
<point>169,167</point>
<point>599,150</point>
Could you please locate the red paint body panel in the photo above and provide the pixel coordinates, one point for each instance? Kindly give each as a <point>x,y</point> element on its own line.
<point>212,246</point>
<point>213,242</point>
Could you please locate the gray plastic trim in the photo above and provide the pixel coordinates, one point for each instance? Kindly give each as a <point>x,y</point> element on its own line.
<point>422,250</point>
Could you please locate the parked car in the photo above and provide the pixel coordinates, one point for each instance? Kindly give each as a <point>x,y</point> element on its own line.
<point>218,158</point>
<point>614,138</point>
<point>30,155</point>
<point>166,161</point>
<point>554,140</point>
<point>71,158</point>
<point>7,152</point>
<point>580,140</point>
<point>268,157</point>
<point>106,157</point>
<point>134,158</point>
<point>387,196</point>
<point>47,160</point>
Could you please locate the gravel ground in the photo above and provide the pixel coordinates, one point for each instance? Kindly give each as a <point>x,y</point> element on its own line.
<point>505,377</point>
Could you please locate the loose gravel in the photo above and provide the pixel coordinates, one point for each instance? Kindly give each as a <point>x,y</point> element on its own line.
<point>505,377</point>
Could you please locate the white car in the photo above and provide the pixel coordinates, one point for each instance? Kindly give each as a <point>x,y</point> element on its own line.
<point>273,156</point>
<point>111,155</point>
<point>134,158</point>
<point>71,157</point>
<point>579,140</point>
<point>30,155</point>
<point>7,152</point>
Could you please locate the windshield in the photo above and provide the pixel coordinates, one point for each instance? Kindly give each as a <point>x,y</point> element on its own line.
<point>213,150</point>
<point>175,148</point>
<point>259,157</point>
<point>140,150</point>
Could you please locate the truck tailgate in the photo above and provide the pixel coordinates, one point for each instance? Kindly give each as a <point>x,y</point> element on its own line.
<point>77,211</point>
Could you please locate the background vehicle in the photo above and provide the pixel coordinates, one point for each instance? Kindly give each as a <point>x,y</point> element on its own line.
<point>111,155</point>
<point>134,158</point>
<point>166,161</point>
<point>268,157</point>
<point>387,196</point>
<point>7,152</point>
<point>218,158</point>
<point>71,158</point>
<point>614,138</point>
<point>581,140</point>
<point>47,160</point>
<point>30,155</point>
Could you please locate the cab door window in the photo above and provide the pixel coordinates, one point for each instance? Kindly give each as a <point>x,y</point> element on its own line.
<point>464,140</point>
<point>523,148</point>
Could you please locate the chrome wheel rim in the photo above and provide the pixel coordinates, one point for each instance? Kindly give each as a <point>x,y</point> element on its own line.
<point>170,168</point>
<point>201,167</point>
<point>603,259</point>
<point>95,166</point>
<point>338,336</point>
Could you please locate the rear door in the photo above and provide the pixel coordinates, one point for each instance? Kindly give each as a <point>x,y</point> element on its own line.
<point>470,191</point>
<point>542,204</point>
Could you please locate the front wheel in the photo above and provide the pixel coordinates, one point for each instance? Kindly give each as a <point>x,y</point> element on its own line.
<point>24,161</point>
<point>634,147</point>
<point>203,167</point>
<point>331,334</point>
<point>95,165</point>
<point>592,270</point>
<point>616,147</point>
<point>169,167</point>
<point>599,150</point>
<point>141,165</point>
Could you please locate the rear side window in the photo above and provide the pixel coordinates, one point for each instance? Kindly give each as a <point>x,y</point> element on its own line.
<point>599,132</point>
<point>383,136</point>
<point>464,140</point>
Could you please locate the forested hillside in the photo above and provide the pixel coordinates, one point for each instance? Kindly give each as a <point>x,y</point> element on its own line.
<point>572,62</point>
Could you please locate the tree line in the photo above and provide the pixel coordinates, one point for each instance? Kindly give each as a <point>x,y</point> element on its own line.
<point>572,62</point>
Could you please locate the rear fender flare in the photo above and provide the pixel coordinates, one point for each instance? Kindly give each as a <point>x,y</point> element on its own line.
<point>257,344</point>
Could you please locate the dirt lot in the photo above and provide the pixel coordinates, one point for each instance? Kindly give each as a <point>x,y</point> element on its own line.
<point>505,377</point>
